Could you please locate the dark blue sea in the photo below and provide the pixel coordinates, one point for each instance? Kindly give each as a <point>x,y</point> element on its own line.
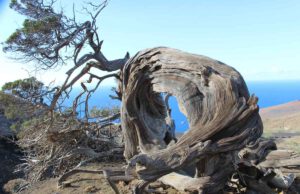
<point>270,93</point>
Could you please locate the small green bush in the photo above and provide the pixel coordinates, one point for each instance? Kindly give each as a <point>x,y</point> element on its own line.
<point>104,112</point>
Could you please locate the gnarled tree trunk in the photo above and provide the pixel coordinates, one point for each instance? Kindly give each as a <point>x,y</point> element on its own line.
<point>215,100</point>
<point>223,146</point>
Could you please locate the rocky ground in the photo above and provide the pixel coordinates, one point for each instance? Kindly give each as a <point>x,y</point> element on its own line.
<point>10,157</point>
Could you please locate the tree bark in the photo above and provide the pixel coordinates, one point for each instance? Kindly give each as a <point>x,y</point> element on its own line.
<point>212,95</point>
<point>225,127</point>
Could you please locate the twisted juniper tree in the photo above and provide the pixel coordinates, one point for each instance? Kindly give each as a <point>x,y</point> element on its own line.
<point>50,38</point>
<point>223,141</point>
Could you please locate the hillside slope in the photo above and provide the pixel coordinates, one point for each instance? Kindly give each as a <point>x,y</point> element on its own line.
<point>284,118</point>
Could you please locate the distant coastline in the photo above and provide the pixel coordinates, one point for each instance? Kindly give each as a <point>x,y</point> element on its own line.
<point>270,93</point>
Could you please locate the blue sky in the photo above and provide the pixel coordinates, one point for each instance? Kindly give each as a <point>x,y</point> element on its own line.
<point>260,38</point>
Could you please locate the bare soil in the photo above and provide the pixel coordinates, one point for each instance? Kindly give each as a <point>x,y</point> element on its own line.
<point>284,118</point>
<point>82,183</point>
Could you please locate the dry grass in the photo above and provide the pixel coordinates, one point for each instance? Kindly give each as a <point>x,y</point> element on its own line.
<point>283,122</point>
<point>292,143</point>
<point>54,147</point>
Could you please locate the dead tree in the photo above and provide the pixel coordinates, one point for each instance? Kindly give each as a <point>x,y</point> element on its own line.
<point>49,38</point>
<point>225,125</point>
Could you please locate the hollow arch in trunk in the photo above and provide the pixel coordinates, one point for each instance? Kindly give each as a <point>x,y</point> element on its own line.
<point>212,95</point>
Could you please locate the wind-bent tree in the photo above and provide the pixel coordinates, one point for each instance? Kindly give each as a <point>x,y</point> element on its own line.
<point>50,38</point>
<point>225,126</point>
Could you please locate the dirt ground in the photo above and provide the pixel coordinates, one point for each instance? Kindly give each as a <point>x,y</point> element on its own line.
<point>84,183</point>
<point>79,183</point>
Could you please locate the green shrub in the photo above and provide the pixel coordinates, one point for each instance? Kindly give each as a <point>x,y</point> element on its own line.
<point>104,112</point>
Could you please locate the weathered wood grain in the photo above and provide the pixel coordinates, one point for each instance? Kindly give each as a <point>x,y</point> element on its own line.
<point>225,125</point>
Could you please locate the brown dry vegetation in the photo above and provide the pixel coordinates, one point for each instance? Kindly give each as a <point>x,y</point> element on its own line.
<point>96,183</point>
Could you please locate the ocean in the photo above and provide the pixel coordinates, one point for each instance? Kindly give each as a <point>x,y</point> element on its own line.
<point>270,93</point>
